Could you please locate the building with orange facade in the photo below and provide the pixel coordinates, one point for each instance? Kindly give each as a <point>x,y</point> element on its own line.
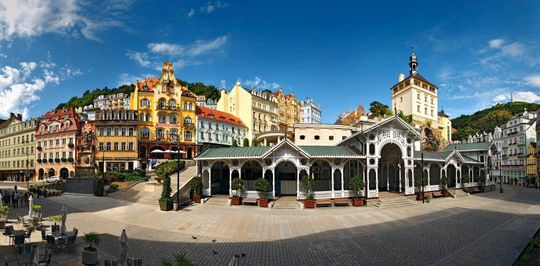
<point>166,116</point>
<point>289,109</point>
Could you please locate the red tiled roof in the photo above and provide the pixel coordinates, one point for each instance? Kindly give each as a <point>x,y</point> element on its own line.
<point>207,113</point>
<point>150,82</point>
<point>60,116</point>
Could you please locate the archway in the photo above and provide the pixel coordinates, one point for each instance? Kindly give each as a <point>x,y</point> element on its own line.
<point>322,174</point>
<point>434,174</point>
<point>476,174</point>
<point>205,181</point>
<point>352,168</point>
<point>451,170</point>
<point>390,163</point>
<point>41,173</point>
<point>285,173</point>
<point>220,178</point>
<point>251,171</point>
<point>51,172</point>
<point>189,153</point>
<point>465,172</point>
<point>64,173</point>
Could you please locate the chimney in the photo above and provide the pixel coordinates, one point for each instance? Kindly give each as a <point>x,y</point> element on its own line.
<point>11,115</point>
<point>401,77</point>
<point>19,116</point>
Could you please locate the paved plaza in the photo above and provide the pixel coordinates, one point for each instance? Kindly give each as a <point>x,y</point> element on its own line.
<point>482,229</point>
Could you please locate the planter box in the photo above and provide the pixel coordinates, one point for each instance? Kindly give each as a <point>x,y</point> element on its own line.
<point>309,204</point>
<point>89,257</point>
<point>357,202</point>
<point>446,193</point>
<point>235,200</point>
<point>165,204</point>
<point>197,199</point>
<point>419,196</point>
<point>263,203</point>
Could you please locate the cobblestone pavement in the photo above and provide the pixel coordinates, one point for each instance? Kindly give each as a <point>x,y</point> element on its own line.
<point>482,229</point>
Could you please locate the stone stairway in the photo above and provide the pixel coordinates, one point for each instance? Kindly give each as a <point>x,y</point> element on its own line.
<point>149,192</point>
<point>395,202</point>
<point>220,200</point>
<point>286,202</point>
<point>458,193</point>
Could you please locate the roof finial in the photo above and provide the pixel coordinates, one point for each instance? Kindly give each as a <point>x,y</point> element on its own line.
<point>413,64</point>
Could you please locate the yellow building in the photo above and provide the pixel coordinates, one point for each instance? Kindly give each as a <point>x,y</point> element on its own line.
<point>288,109</point>
<point>166,116</point>
<point>531,160</point>
<point>116,134</point>
<point>257,109</point>
<point>17,147</point>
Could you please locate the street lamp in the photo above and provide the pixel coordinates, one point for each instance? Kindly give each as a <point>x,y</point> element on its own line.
<point>500,174</point>
<point>422,168</point>
<point>178,152</point>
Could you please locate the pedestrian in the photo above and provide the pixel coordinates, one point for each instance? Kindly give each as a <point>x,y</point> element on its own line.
<point>537,182</point>
<point>15,199</point>
<point>26,198</point>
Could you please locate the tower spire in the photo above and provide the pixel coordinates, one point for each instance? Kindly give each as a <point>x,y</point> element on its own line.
<point>413,64</point>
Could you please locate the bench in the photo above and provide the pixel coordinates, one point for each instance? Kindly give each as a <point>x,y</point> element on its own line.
<point>342,201</point>
<point>324,202</point>
<point>437,194</point>
<point>249,201</point>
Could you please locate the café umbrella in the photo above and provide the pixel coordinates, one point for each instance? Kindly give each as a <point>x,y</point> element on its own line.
<point>64,217</point>
<point>30,205</point>
<point>123,247</point>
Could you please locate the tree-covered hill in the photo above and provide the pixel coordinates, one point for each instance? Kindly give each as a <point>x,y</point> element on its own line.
<point>487,119</point>
<point>199,88</point>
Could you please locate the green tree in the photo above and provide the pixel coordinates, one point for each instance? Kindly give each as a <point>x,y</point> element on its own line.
<point>234,143</point>
<point>378,109</point>
<point>246,143</point>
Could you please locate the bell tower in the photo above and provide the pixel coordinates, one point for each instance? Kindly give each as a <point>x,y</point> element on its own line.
<point>413,64</point>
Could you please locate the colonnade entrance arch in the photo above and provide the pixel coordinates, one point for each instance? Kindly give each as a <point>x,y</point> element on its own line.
<point>391,168</point>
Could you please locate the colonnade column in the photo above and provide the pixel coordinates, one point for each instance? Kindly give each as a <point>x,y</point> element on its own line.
<point>332,183</point>
<point>342,185</point>
<point>273,183</point>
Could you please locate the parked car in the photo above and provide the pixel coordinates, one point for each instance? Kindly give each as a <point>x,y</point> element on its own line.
<point>52,179</point>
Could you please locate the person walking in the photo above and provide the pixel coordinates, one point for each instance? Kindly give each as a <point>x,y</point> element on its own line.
<point>537,182</point>
<point>15,199</point>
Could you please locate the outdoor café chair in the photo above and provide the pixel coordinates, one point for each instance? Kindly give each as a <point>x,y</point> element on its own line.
<point>70,243</point>
<point>110,262</point>
<point>134,262</point>
<point>51,243</point>
<point>8,232</point>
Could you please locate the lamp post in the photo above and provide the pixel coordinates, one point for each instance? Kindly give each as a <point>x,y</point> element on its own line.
<point>500,174</point>
<point>422,176</point>
<point>177,136</point>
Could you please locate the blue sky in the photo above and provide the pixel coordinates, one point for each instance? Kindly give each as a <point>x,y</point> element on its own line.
<point>342,55</point>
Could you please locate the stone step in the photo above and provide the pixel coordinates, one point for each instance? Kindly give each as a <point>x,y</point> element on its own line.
<point>395,202</point>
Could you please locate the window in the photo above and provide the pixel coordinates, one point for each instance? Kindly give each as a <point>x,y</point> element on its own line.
<point>202,135</point>
<point>115,131</point>
<point>145,132</point>
<point>317,137</point>
<point>116,146</point>
<point>400,99</point>
<point>123,146</point>
<point>172,104</point>
<point>343,137</point>
<point>425,111</point>
<point>130,131</point>
<point>109,131</point>
<point>162,104</point>
<point>160,133</point>
<point>330,137</point>
<point>174,134</point>
<point>187,135</point>
<point>418,96</point>
<point>130,146</point>
<point>162,118</point>
<point>172,119</point>
<point>145,102</point>
<point>57,142</point>
<point>123,131</point>
<point>187,121</point>
<point>418,108</point>
<point>101,146</point>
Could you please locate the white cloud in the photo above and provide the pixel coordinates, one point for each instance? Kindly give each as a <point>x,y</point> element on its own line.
<point>181,55</point>
<point>127,79</point>
<point>519,96</point>
<point>140,58</point>
<point>30,18</point>
<point>259,84</point>
<point>212,6</point>
<point>496,43</point>
<point>19,86</point>
<point>533,80</point>
<point>191,13</point>
<point>166,48</point>
<point>514,49</point>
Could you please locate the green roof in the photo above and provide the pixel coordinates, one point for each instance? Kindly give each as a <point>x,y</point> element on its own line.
<point>468,146</point>
<point>234,152</point>
<point>330,151</point>
<point>443,155</point>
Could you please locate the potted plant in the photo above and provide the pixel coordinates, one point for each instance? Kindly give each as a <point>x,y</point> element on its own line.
<point>64,159</point>
<point>465,179</point>
<point>38,160</point>
<point>71,145</point>
<point>4,211</point>
<point>196,187</point>
<point>56,219</point>
<point>482,183</point>
<point>70,159</point>
<point>165,202</point>
<point>98,189</point>
<point>444,182</point>
<point>238,186</point>
<point>50,160</point>
<point>89,253</point>
<point>263,186</point>
<point>308,183</point>
<point>357,185</point>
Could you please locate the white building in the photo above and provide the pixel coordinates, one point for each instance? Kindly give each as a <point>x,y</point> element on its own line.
<point>216,128</point>
<point>311,112</point>
<point>517,134</point>
<point>112,101</point>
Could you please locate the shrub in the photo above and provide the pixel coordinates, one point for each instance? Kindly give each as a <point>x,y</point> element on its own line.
<point>38,160</point>
<point>165,169</point>
<point>50,160</point>
<point>4,211</point>
<point>179,260</point>
<point>71,145</point>
<point>465,178</point>
<point>238,185</point>
<point>70,159</point>
<point>357,185</point>
<point>56,218</point>
<point>112,188</point>
<point>263,186</point>
<point>246,143</point>
<point>99,182</point>
<point>64,160</point>
<point>307,183</point>
<point>91,239</point>
<point>36,208</point>
<point>56,160</point>
<point>166,192</point>
<point>196,185</point>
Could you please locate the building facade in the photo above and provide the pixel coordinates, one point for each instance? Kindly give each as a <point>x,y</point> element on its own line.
<point>166,113</point>
<point>307,134</point>
<point>311,111</point>
<point>383,155</point>
<point>257,109</point>
<point>531,162</point>
<point>55,136</point>
<point>288,109</point>
<point>117,101</point>
<point>217,128</point>
<point>116,140</point>
<point>17,149</point>
<point>517,135</point>
<point>415,96</point>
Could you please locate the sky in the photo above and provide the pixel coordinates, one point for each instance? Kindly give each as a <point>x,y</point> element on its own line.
<point>340,53</point>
